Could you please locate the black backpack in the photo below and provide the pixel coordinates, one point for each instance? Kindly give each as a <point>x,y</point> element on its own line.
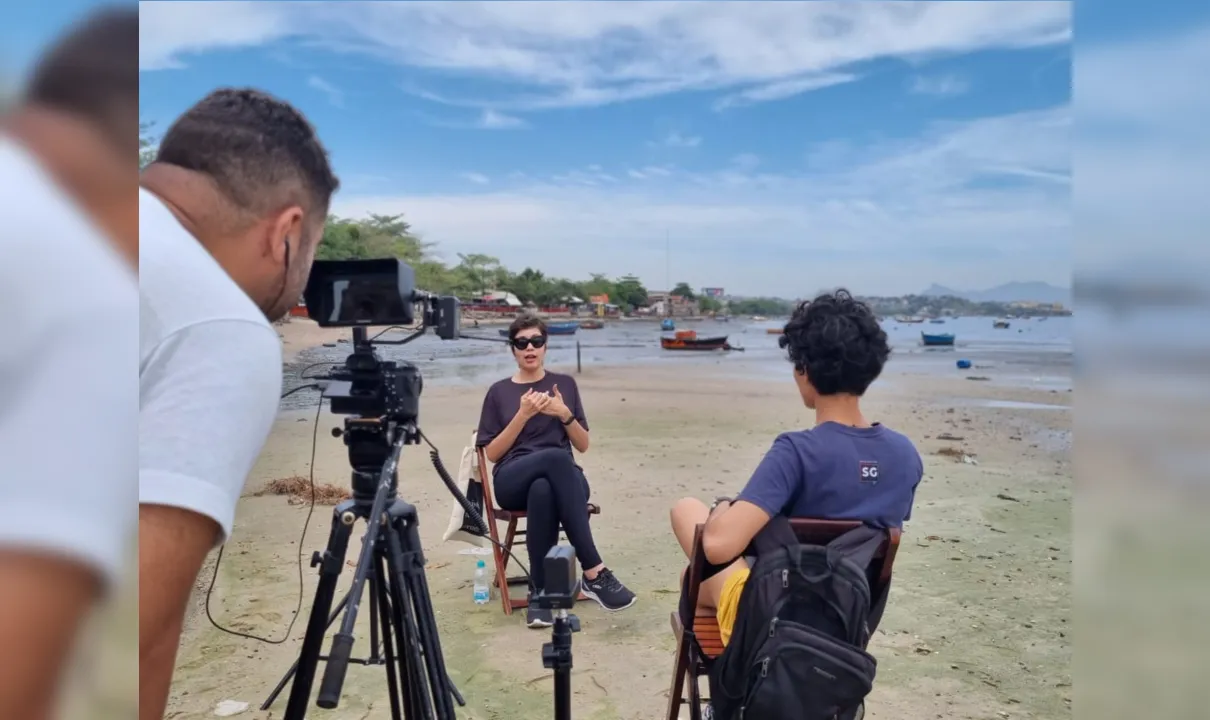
<point>798,646</point>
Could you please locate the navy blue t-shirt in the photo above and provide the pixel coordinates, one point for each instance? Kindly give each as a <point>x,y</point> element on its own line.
<point>837,472</point>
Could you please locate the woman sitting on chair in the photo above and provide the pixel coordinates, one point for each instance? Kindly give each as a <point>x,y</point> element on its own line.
<point>529,425</point>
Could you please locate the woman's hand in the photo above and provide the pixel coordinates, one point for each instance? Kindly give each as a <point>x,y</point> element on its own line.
<point>556,407</point>
<point>533,403</point>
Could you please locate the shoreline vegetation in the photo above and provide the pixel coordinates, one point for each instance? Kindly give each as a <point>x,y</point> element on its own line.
<point>476,274</point>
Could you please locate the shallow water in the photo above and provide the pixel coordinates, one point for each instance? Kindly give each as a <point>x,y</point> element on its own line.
<point>1021,355</point>
<point>1017,405</point>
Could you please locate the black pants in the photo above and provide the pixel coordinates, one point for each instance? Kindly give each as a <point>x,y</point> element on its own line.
<point>553,491</point>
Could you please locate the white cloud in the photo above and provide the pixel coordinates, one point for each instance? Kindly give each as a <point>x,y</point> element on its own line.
<point>172,31</point>
<point>677,140</point>
<point>595,53</point>
<point>487,119</point>
<point>494,120</point>
<point>957,204</point>
<point>939,85</point>
<point>477,178</point>
<point>335,95</point>
<point>781,90</point>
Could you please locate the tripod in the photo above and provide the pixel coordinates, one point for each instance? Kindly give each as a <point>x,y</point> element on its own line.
<point>563,587</point>
<point>392,564</point>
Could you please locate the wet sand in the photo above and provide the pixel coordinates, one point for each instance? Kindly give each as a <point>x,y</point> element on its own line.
<point>978,625</point>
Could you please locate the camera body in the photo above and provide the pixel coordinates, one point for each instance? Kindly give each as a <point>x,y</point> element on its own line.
<point>562,579</point>
<point>361,293</point>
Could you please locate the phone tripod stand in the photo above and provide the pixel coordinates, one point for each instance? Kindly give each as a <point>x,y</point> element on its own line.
<point>392,564</point>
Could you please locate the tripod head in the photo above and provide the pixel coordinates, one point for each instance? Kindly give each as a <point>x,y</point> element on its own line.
<point>562,589</point>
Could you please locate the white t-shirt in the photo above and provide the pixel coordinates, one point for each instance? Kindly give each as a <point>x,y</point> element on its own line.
<point>68,404</point>
<point>209,373</point>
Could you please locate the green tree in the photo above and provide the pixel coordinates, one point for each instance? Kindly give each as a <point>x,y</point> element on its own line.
<point>629,292</point>
<point>709,305</point>
<point>376,236</point>
<point>481,272</point>
<point>775,307</point>
<point>683,290</point>
<point>597,284</point>
<point>147,145</point>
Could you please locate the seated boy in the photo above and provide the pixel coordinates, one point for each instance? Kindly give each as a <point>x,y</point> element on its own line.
<point>843,468</point>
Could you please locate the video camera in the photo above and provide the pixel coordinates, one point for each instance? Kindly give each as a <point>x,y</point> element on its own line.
<point>360,293</point>
<point>382,400</point>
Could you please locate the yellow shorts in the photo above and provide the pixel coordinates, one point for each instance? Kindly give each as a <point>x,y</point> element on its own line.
<point>728,602</point>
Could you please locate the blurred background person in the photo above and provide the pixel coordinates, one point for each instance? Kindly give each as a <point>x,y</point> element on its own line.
<point>68,287</point>
<point>230,215</point>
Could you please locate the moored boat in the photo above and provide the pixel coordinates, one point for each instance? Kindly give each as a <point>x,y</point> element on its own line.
<point>1000,324</point>
<point>591,324</point>
<point>909,320</point>
<point>939,339</point>
<point>667,325</point>
<point>562,328</point>
<point>688,340</point>
<point>774,331</point>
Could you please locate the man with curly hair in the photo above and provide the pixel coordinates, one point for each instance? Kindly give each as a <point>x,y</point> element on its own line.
<point>845,467</point>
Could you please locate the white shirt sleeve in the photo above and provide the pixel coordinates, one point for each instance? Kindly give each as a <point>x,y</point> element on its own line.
<point>67,455</point>
<point>209,397</point>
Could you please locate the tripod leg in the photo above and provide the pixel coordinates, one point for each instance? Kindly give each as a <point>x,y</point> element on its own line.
<point>443,689</point>
<point>432,640</point>
<point>281,684</point>
<point>374,658</point>
<point>330,564</point>
<point>413,653</point>
<point>384,610</point>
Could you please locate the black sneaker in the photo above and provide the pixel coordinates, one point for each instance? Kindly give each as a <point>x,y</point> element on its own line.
<point>608,592</point>
<point>536,617</point>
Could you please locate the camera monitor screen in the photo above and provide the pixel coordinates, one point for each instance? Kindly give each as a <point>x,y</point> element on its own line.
<point>349,293</point>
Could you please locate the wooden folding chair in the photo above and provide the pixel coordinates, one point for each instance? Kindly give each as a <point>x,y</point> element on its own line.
<point>514,536</point>
<point>702,643</point>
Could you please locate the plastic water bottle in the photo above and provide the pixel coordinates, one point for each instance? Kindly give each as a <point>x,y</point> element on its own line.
<point>482,591</point>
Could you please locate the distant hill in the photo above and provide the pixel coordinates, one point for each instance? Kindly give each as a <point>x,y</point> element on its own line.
<point>1009,292</point>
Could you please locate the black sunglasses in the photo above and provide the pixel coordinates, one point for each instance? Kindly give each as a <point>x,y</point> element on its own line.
<point>536,341</point>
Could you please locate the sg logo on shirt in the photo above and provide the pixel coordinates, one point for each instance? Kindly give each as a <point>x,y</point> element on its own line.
<point>869,471</point>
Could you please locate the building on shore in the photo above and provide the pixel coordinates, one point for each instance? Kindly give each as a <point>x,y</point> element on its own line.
<point>665,304</point>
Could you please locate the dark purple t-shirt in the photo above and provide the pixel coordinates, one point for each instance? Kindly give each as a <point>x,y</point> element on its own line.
<point>501,403</point>
<point>838,472</point>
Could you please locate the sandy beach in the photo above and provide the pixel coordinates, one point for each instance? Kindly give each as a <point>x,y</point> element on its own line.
<point>978,625</point>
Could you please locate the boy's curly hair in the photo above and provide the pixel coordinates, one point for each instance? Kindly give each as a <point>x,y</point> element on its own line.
<point>837,343</point>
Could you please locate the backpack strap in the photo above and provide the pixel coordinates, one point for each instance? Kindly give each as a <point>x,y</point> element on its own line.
<point>859,545</point>
<point>776,535</point>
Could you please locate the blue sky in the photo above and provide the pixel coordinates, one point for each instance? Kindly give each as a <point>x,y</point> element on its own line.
<point>777,147</point>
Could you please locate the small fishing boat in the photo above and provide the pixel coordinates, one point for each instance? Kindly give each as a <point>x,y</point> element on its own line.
<point>940,339</point>
<point>759,318</point>
<point>937,321</point>
<point>562,328</point>
<point>667,325</point>
<point>591,324</point>
<point>909,320</point>
<point>688,340</point>
<point>774,331</point>
<point>1000,324</point>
